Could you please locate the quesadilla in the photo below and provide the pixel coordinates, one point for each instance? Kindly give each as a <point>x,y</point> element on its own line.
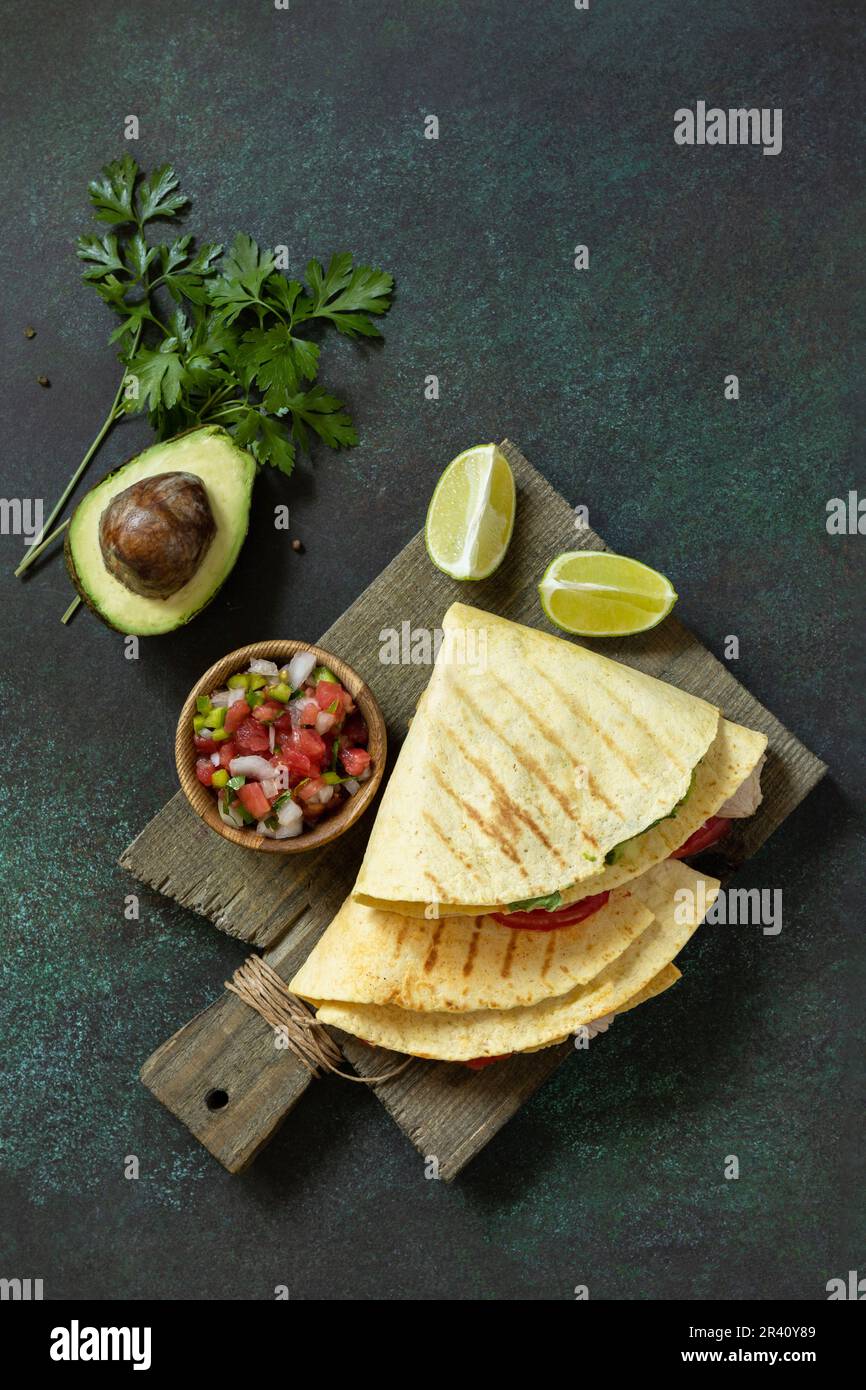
<point>537,774</point>
<point>675,898</point>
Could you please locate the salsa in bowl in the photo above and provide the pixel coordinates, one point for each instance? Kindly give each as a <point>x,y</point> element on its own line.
<point>280,746</point>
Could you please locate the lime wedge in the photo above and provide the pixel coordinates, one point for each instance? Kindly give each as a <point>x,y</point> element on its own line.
<point>471,514</point>
<point>594,594</point>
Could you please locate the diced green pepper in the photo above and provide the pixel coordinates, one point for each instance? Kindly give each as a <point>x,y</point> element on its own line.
<point>255,681</point>
<point>239,682</point>
<point>220,778</point>
<point>220,735</point>
<point>281,692</point>
<point>236,781</point>
<point>199,722</point>
<point>217,717</point>
<point>255,698</point>
<point>202,703</point>
<point>322,673</point>
<point>332,778</point>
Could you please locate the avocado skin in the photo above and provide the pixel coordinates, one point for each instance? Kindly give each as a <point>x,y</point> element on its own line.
<point>69,556</point>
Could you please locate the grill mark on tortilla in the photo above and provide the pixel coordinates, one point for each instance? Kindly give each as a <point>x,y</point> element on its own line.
<point>440,834</point>
<point>509,953</point>
<point>472,952</point>
<point>557,743</point>
<point>650,733</point>
<point>502,844</point>
<point>549,951</point>
<point>430,960</point>
<point>508,809</point>
<point>581,715</point>
<point>442,892</point>
<point>526,761</point>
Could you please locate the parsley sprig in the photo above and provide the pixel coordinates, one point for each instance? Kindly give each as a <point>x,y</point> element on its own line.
<point>207,336</point>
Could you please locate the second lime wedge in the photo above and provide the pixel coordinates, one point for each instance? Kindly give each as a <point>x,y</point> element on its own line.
<point>471,514</point>
<point>592,593</point>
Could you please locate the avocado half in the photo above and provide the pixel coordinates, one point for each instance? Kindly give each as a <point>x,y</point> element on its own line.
<point>226,472</point>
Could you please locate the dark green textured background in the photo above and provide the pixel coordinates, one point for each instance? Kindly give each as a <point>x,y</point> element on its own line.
<point>556,128</point>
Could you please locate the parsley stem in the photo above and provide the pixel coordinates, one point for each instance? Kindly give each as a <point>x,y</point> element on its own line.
<point>45,542</point>
<point>110,419</point>
<point>71,610</point>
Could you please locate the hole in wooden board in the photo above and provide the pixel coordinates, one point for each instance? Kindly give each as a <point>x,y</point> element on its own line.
<point>216,1100</point>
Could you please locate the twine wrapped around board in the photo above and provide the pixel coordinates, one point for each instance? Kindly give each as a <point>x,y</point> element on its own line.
<point>259,986</point>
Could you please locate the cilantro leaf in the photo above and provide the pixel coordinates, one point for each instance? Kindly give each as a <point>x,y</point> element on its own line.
<point>112,194</point>
<point>158,195</point>
<point>266,440</point>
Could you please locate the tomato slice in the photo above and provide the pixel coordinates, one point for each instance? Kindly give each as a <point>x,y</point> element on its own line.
<point>327,692</point>
<point>706,835</point>
<point>541,920</point>
<point>251,737</point>
<point>227,752</point>
<point>476,1063</point>
<point>269,711</point>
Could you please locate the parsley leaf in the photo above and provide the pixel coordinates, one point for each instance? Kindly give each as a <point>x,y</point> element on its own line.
<point>242,275</point>
<point>347,296</point>
<point>112,194</point>
<point>266,440</point>
<point>158,196</point>
<point>324,414</point>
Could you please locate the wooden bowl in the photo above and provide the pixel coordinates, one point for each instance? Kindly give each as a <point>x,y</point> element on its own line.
<point>202,800</point>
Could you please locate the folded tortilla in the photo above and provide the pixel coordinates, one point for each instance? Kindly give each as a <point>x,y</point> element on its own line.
<point>674,894</point>
<point>529,758</point>
<point>368,956</point>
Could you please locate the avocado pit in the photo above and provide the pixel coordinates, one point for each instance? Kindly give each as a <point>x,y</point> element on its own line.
<point>155,534</point>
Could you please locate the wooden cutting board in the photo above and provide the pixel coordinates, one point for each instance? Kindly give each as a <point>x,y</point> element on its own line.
<point>221,1074</point>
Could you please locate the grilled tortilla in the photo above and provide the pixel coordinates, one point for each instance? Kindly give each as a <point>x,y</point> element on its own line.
<point>528,760</point>
<point>674,894</point>
<point>368,956</point>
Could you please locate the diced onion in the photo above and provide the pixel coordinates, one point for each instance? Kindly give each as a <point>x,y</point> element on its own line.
<point>325,722</point>
<point>221,698</point>
<point>259,667</point>
<point>235,695</point>
<point>272,736</point>
<point>229,817</point>
<point>290,813</point>
<point>215,759</point>
<point>282,832</point>
<point>271,788</point>
<point>325,794</point>
<point>252,766</point>
<point>300,667</point>
<point>352,786</point>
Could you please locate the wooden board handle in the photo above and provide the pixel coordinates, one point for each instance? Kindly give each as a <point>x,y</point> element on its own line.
<point>224,1078</point>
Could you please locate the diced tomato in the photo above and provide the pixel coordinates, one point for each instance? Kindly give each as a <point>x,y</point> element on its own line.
<point>254,800</point>
<point>251,737</point>
<point>355,760</point>
<point>309,713</point>
<point>355,731</point>
<point>310,789</point>
<point>235,715</point>
<point>204,771</point>
<point>268,711</point>
<point>284,724</point>
<point>204,745</point>
<point>541,920</point>
<point>476,1063</point>
<point>296,762</point>
<point>228,751</point>
<point>306,741</point>
<point>327,692</point>
<point>706,835</point>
